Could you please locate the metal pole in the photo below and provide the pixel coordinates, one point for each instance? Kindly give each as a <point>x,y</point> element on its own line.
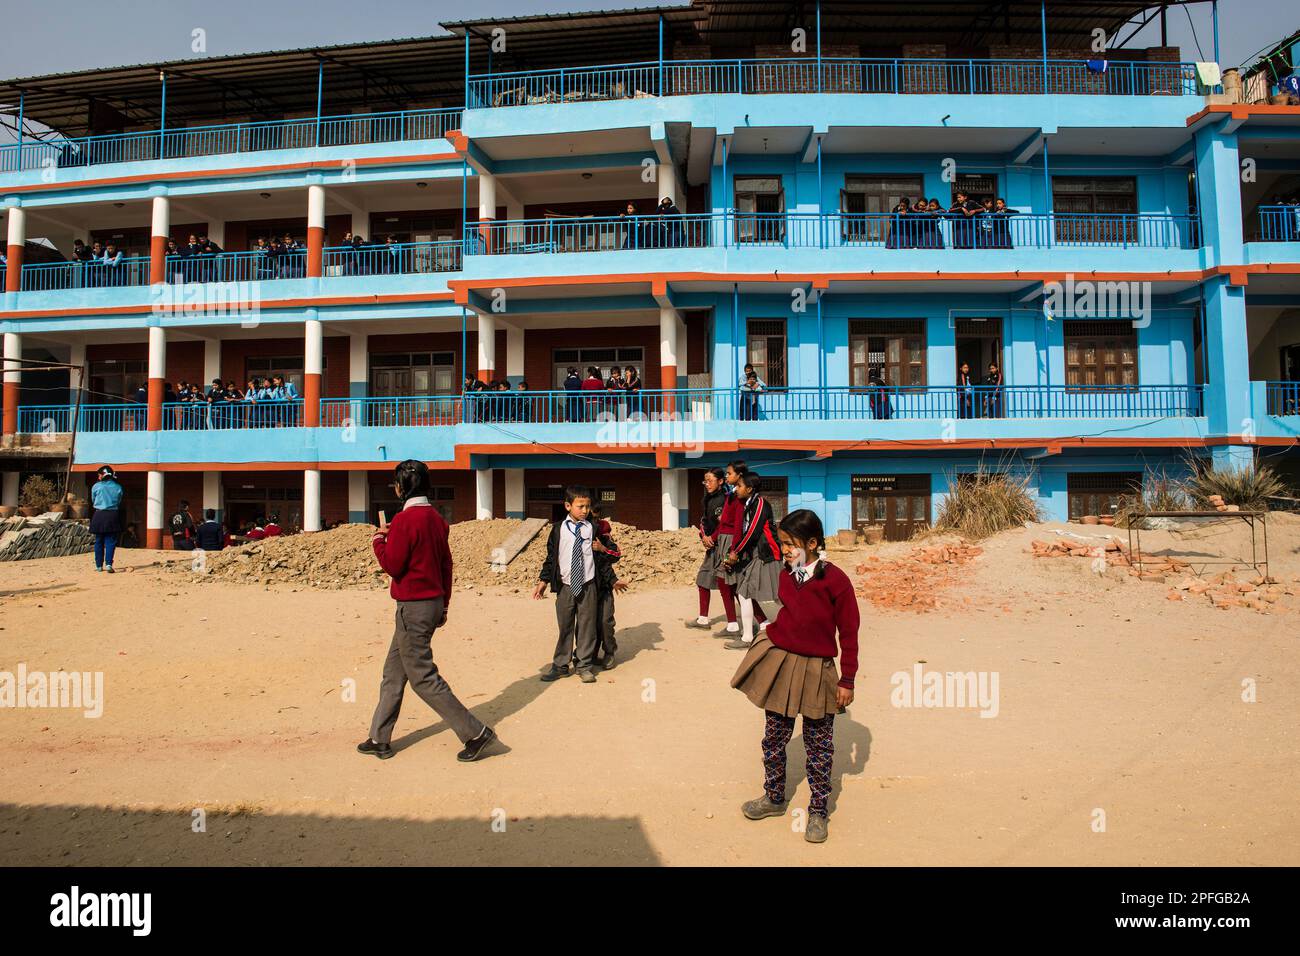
<point>1048,204</point>
<point>1214,12</point>
<point>821,212</point>
<point>22,98</point>
<point>320,89</point>
<point>76,418</point>
<point>1043,20</point>
<point>819,46</point>
<point>726,199</point>
<point>162,118</point>
<point>735,336</point>
<point>821,358</point>
<point>661,54</point>
<point>466,68</point>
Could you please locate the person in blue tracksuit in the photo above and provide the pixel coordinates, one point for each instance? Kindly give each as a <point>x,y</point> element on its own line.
<point>106,520</point>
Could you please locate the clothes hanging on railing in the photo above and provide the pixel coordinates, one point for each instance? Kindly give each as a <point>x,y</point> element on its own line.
<point>1098,66</point>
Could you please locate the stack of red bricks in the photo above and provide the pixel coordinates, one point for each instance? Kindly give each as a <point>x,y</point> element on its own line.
<point>1226,591</point>
<point>915,581</point>
<point>1114,552</point>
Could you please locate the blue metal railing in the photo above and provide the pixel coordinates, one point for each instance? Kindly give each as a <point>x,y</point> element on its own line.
<point>348,130</point>
<point>1283,398</point>
<point>1279,224</point>
<point>397,258</point>
<point>833,229</point>
<point>254,266</point>
<point>842,403</point>
<point>830,75</point>
<point>50,276</point>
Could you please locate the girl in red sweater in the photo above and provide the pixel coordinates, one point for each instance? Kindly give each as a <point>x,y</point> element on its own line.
<point>790,670</point>
<point>415,552</point>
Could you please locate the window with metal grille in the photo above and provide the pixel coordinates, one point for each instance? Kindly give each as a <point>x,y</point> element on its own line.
<point>1100,353</point>
<point>776,492</point>
<point>759,202</point>
<point>976,186</point>
<point>290,366</point>
<point>766,350</point>
<point>413,373</point>
<point>894,349</point>
<point>1100,493</point>
<point>603,359</point>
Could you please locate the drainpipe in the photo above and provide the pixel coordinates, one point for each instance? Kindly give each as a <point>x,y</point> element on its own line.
<point>661,54</point>
<point>819,46</point>
<point>1043,21</point>
<point>320,89</point>
<point>162,118</point>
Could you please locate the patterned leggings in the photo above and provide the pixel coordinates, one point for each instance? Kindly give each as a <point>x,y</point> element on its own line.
<point>818,741</point>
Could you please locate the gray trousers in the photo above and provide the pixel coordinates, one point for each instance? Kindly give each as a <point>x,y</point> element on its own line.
<point>577,620</point>
<point>605,622</point>
<point>410,659</point>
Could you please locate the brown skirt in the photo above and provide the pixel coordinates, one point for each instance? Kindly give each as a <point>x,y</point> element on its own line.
<point>786,682</point>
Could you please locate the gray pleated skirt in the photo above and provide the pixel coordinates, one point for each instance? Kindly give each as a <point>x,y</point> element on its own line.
<point>759,580</point>
<point>711,567</point>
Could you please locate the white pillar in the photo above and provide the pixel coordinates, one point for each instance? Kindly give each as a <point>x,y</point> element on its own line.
<point>312,367</point>
<point>311,499</point>
<point>514,493</point>
<point>17,226</point>
<point>154,524</point>
<point>361,223</point>
<point>487,346</point>
<point>9,491</point>
<point>358,365</point>
<point>211,360</point>
<point>483,494</point>
<point>212,493</point>
<point>668,351</point>
<point>668,184</point>
<point>672,497</point>
<point>217,232</point>
<point>487,196</point>
<point>160,221</point>
<point>515,356</point>
<point>157,352</point>
<point>13,377</point>
<point>357,504</point>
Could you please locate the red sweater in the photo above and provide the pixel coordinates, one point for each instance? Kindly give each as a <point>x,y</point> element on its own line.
<point>415,553</point>
<point>810,615</point>
<point>729,520</point>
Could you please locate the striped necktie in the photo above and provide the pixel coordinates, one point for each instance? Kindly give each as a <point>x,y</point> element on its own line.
<point>800,575</point>
<point>577,569</point>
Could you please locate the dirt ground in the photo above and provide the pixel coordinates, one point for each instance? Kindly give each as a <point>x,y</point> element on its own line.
<point>1121,735</point>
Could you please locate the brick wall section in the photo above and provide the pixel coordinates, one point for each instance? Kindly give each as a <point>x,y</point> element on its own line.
<point>697,341</point>
<point>539,346</point>
<point>636,490</point>
<point>920,78</point>
<point>235,353</point>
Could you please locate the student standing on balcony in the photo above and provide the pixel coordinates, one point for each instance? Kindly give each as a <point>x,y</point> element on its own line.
<point>670,223</point>
<point>415,553</point>
<point>790,671</point>
<point>632,230</point>
<point>754,557</point>
<point>593,384</point>
<point>878,396</point>
<point>934,215</point>
<point>961,212</point>
<point>993,392</point>
<point>106,519</point>
<point>749,392</point>
<point>572,401</point>
<point>715,545</point>
<point>965,392</point>
<point>113,265</point>
<point>1001,216</point>
<point>632,386</point>
<point>617,389</point>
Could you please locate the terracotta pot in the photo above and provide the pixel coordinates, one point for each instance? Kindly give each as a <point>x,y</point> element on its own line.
<point>7,511</point>
<point>31,512</point>
<point>58,509</point>
<point>1108,520</point>
<point>873,535</point>
<point>1090,519</point>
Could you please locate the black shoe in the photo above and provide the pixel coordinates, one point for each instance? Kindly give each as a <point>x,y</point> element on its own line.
<point>555,673</point>
<point>609,662</point>
<point>474,748</point>
<point>368,746</point>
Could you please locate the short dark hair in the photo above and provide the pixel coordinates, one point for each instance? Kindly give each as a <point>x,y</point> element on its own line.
<point>804,525</point>
<point>411,478</point>
<point>210,514</point>
<point>573,492</point>
<point>184,503</point>
<point>738,466</point>
<point>718,473</point>
<point>752,479</point>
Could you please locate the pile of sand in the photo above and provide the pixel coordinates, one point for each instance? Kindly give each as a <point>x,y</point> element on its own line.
<point>342,558</point>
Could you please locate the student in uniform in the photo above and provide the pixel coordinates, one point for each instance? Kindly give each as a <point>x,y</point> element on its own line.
<point>415,553</point>
<point>790,671</point>
<point>965,392</point>
<point>594,384</point>
<point>607,585</point>
<point>106,519</point>
<point>570,572</point>
<point>729,527</point>
<point>755,556</point>
<point>961,212</point>
<point>993,391</point>
<point>272,528</point>
<point>572,403</point>
<point>706,581</point>
<point>183,528</point>
<point>632,386</point>
<point>210,536</point>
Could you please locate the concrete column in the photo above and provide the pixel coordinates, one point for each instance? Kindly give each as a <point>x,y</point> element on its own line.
<point>515,356</point>
<point>514,492</point>
<point>159,230</point>
<point>361,223</point>
<point>77,356</point>
<point>13,353</point>
<point>1227,359</point>
<point>9,489</point>
<point>157,377</point>
<point>487,207</point>
<point>483,494</point>
<point>672,483</point>
<point>153,509</point>
<point>668,343</point>
<point>211,361</point>
<point>212,493</point>
<point>311,499</point>
<point>313,355</point>
<point>357,504</point>
<point>487,346</point>
<point>217,232</point>
<point>669,185</point>
<point>358,365</point>
<point>315,230</point>
<point>17,242</point>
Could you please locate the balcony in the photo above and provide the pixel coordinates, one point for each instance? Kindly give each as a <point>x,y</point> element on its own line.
<point>411,258</point>
<point>1282,399</point>
<point>833,403</point>
<point>798,230</point>
<point>1277,224</point>
<point>201,141</point>
<point>829,75</point>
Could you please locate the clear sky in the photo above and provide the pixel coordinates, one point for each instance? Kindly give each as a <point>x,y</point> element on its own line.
<point>59,36</point>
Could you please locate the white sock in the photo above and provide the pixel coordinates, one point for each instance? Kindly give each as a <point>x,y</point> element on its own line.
<point>732,627</point>
<point>701,620</point>
<point>746,619</point>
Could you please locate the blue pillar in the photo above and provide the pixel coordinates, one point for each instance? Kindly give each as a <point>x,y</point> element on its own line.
<point>661,54</point>
<point>1227,359</point>
<point>1218,186</point>
<point>467,104</point>
<point>22,102</point>
<point>819,47</point>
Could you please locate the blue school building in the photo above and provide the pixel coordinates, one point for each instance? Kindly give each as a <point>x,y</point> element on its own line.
<point>948,237</point>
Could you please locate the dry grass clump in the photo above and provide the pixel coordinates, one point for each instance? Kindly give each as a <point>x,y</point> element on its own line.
<point>982,504</point>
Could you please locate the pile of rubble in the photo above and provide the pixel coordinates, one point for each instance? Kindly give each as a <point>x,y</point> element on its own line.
<point>916,581</point>
<point>1225,591</point>
<point>342,558</point>
<point>1111,550</point>
<point>46,536</point>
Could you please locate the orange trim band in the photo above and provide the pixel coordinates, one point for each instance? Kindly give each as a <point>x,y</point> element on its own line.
<point>157,259</point>
<point>11,408</point>
<point>153,417</point>
<point>311,399</point>
<point>14,269</point>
